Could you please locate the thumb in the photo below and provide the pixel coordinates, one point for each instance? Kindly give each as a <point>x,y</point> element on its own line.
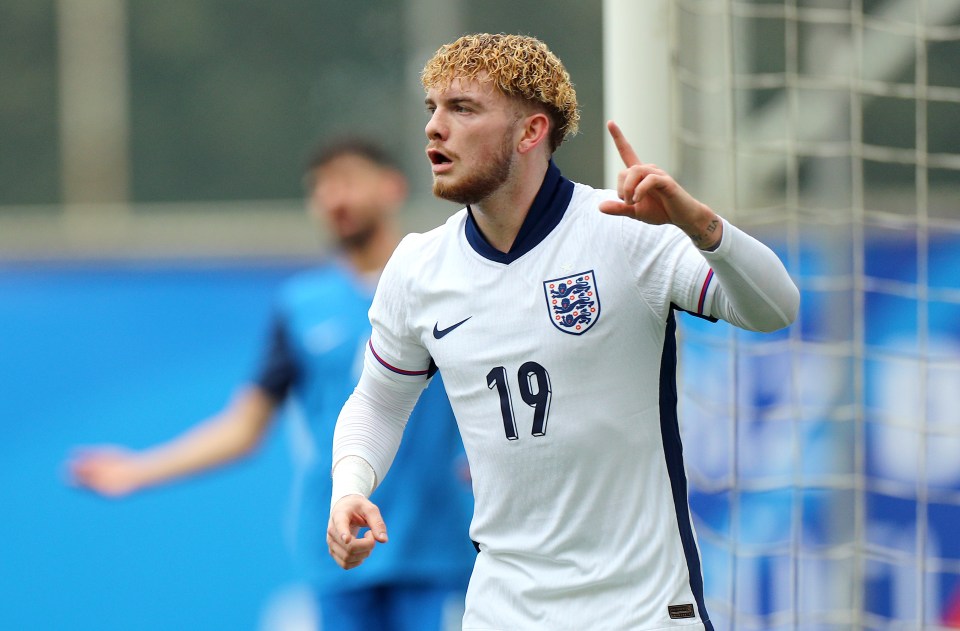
<point>374,521</point>
<point>616,207</point>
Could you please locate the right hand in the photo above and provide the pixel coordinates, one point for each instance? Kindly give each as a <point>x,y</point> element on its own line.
<point>649,194</point>
<point>110,471</point>
<point>347,517</point>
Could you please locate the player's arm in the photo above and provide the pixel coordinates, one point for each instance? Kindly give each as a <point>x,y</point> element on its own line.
<point>753,289</point>
<point>231,434</point>
<point>365,442</point>
<point>649,194</point>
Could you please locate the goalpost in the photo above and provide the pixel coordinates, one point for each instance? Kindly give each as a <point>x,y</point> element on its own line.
<point>824,461</point>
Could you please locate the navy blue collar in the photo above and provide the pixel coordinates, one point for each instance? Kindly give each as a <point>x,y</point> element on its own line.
<point>545,213</point>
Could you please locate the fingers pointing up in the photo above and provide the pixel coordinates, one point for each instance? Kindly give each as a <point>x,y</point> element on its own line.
<point>624,148</point>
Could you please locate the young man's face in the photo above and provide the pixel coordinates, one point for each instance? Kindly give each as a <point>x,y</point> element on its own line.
<point>472,139</point>
<point>353,196</point>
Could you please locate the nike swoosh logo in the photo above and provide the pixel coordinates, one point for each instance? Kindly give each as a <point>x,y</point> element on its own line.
<point>438,332</point>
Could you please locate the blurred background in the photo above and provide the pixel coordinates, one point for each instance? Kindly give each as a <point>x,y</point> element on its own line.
<point>180,128</point>
<point>151,203</point>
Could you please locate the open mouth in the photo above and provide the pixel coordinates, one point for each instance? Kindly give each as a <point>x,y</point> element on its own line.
<point>437,157</point>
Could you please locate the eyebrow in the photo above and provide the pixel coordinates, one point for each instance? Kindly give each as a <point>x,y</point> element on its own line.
<point>456,100</point>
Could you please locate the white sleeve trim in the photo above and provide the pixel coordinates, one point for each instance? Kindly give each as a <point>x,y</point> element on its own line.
<point>754,290</point>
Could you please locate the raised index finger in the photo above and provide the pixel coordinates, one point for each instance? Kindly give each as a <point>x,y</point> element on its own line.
<point>627,154</point>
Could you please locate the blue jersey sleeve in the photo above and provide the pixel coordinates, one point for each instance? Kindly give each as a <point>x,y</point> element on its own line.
<point>279,368</point>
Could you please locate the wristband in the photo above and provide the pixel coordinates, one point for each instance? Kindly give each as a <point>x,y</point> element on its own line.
<point>352,475</point>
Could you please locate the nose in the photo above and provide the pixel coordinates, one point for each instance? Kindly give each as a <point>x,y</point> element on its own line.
<point>435,128</point>
<point>330,196</point>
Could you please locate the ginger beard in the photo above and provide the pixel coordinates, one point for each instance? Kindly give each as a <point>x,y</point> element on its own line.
<point>484,180</point>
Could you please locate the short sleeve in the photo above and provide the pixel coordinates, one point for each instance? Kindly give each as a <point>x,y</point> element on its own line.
<point>393,342</point>
<point>278,369</point>
<point>670,271</point>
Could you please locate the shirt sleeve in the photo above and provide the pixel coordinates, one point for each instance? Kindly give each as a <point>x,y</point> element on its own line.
<point>396,369</point>
<point>393,343</point>
<point>742,281</point>
<point>278,369</point>
<point>669,270</point>
<point>754,290</point>
<point>371,423</point>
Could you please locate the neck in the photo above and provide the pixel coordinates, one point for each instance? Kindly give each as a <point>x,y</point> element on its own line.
<point>501,215</point>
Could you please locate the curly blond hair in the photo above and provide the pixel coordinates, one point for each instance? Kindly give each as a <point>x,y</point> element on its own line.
<point>518,65</point>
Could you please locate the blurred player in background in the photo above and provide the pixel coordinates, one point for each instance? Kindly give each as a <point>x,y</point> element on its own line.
<point>311,362</point>
<point>548,307</point>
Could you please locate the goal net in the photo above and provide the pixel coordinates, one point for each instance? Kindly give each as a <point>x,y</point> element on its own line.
<point>824,461</point>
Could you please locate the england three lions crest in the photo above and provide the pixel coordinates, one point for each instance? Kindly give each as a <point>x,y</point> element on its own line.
<point>573,302</point>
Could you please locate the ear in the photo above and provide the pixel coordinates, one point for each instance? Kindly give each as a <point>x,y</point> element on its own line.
<point>535,130</point>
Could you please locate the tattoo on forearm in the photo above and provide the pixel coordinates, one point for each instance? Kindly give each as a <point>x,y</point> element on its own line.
<point>699,238</point>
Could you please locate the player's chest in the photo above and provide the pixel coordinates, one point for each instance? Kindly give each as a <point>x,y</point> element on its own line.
<point>555,338</point>
<point>554,307</point>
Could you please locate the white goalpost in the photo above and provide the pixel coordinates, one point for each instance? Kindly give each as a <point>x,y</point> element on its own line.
<point>638,95</point>
<point>823,461</point>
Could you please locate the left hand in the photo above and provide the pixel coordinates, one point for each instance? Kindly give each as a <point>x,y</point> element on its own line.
<point>347,516</point>
<point>649,194</point>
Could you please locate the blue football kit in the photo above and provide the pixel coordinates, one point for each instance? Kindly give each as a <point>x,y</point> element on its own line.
<point>313,359</point>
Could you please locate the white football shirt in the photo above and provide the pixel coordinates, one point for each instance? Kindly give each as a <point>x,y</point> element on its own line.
<point>559,361</point>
